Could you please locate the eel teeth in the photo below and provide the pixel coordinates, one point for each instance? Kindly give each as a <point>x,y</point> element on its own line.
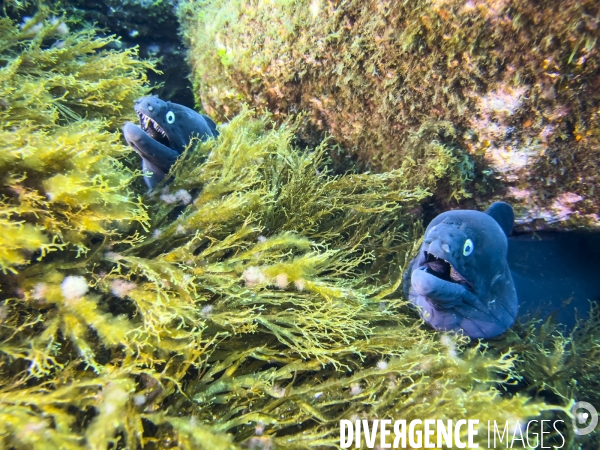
<point>158,128</point>
<point>444,270</point>
<point>148,123</point>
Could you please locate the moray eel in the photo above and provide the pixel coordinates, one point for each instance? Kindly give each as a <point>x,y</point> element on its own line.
<point>461,280</point>
<point>166,129</point>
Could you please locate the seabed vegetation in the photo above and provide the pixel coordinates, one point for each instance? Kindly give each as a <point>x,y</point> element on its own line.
<point>250,301</point>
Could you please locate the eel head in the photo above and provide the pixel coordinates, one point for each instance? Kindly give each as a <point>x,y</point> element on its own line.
<point>164,132</point>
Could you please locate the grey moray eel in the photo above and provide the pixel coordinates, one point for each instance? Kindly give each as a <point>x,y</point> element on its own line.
<point>165,130</point>
<point>460,280</point>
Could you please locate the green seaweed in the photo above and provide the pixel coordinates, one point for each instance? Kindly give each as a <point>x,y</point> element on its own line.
<point>63,177</point>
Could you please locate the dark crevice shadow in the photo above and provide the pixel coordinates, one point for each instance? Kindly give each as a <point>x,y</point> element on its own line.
<point>555,272</point>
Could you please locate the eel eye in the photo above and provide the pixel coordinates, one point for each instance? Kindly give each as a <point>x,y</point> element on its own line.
<point>468,247</point>
<point>170,117</point>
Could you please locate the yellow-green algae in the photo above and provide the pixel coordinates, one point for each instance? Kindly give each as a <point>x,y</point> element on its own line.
<point>249,303</point>
<point>516,82</point>
<point>63,177</point>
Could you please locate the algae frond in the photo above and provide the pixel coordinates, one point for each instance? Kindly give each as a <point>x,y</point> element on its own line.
<point>64,177</point>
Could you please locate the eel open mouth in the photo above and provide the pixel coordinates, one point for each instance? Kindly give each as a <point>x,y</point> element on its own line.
<point>442,269</point>
<point>153,129</point>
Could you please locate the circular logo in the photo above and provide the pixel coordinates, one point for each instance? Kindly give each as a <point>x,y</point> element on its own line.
<point>583,412</point>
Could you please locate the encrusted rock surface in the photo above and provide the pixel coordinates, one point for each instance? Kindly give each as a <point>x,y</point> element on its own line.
<point>514,86</point>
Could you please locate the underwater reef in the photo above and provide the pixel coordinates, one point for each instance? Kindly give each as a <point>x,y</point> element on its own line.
<point>512,86</point>
<point>251,301</point>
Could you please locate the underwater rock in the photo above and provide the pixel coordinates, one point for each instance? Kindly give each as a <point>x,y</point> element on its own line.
<point>166,130</point>
<point>460,279</point>
<point>514,86</point>
<point>153,26</point>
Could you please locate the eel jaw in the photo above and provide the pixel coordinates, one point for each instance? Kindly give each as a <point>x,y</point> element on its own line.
<point>153,129</point>
<point>443,269</point>
<point>150,149</point>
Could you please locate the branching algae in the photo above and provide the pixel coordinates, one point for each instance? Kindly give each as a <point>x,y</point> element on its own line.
<point>63,178</point>
<point>251,301</point>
